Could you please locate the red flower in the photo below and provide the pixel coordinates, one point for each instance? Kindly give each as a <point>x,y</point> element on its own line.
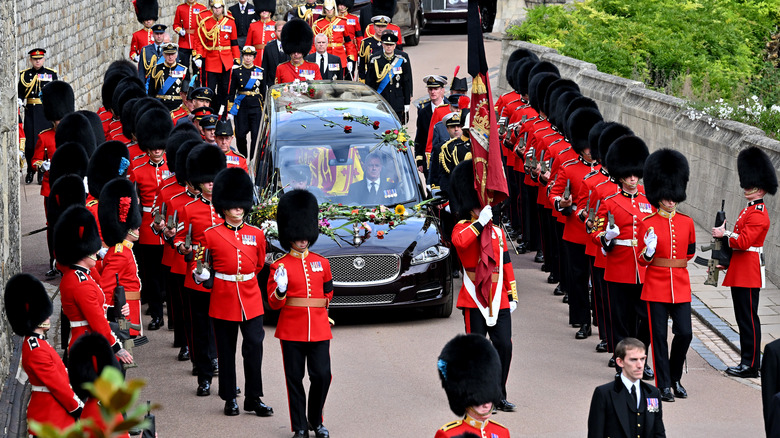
<point>347,129</point>
<point>380,234</point>
<point>376,124</point>
<point>387,132</point>
<point>391,223</point>
<point>311,92</point>
<point>395,131</point>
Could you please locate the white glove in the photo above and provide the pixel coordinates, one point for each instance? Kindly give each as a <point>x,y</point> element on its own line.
<point>512,306</point>
<point>485,215</point>
<point>20,102</point>
<point>406,108</point>
<point>350,66</point>
<point>230,117</point>
<point>447,208</point>
<point>198,63</point>
<point>182,32</point>
<point>604,252</point>
<point>280,277</point>
<point>102,253</point>
<point>203,276</point>
<point>136,58</point>
<point>46,165</point>
<point>651,241</point>
<point>235,66</point>
<point>612,232</point>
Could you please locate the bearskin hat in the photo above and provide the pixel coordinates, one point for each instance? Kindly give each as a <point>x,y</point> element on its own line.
<point>537,89</point>
<point>110,160</point>
<point>579,126</point>
<point>132,112</point>
<point>543,67</point>
<point>296,217</point>
<point>129,87</point>
<point>576,103</point>
<point>233,189</point>
<point>76,128</point>
<point>58,100</point>
<point>464,197</point>
<point>115,72</point>
<point>68,158</point>
<point>627,157</point>
<point>269,5</point>
<point>612,131</point>
<point>86,360</point>
<point>146,10</point>
<point>554,91</point>
<point>558,108</point>
<point>153,128</point>
<point>26,303</point>
<point>470,372</point>
<point>181,158</point>
<point>118,210</point>
<point>297,37</point>
<point>180,134</point>
<point>517,58</point>
<point>383,7</point>
<point>66,191</point>
<point>593,139</point>
<point>522,76</point>
<point>756,170</point>
<point>666,176</point>
<point>204,162</point>
<point>75,235</point>
<point>97,126</point>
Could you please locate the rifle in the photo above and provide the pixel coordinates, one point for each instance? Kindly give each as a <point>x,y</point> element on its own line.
<point>159,214</point>
<point>610,219</point>
<point>203,263</point>
<point>567,190</point>
<point>545,167</point>
<point>529,159</point>
<point>124,323</point>
<point>721,252</point>
<point>172,224</point>
<point>188,244</point>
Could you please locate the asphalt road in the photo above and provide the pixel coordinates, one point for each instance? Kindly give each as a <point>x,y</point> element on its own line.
<point>385,382</point>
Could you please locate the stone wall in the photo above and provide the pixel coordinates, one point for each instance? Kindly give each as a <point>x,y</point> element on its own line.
<point>510,12</point>
<point>710,146</point>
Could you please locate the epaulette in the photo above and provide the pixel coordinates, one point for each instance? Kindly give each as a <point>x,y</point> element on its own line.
<point>541,129</point>
<point>760,207</point>
<point>374,58</point>
<point>54,70</point>
<point>92,202</point>
<point>47,129</point>
<point>564,150</point>
<point>119,247</point>
<point>422,104</point>
<point>464,221</point>
<point>612,195</point>
<point>592,173</point>
<point>496,423</point>
<point>213,226</point>
<point>25,70</point>
<point>82,276</point>
<point>570,162</point>
<point>452,425</point>
<point>138,157</point>
<point>651,215</point>
<point>33,342</point>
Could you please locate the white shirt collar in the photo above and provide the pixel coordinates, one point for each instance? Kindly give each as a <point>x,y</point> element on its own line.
<point>628,385</point>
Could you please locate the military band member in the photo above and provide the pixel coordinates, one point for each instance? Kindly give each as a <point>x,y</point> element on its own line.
<point>245,15</point>
<point>371,45</point>
<point>245,99</point>
<point>262,31</point>
<point>146,11</point>
<point>309,12</point>
<point>224,138</point>
<point>667,245</point>
<point>152,54</point>
<point>745,276</point>
<point>354,31</point>
<point>29,309</point>
<point>483,315</point>
<point>31,82</point>
<point>390,74</point>
<point>185,24</point>
<point>297,39</point>
<point>435,86</point>
<point>470,373</point>
<point>301,285</point>
<point>165,82</point>
<point>219,46</point>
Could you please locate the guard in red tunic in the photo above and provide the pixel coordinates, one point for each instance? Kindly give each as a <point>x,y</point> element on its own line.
<point>668,243</point>
<point>28,308</point>
<point>745,276</point>
<point>218,40</point>
<point>146,11</point>
<point>353,32</point>
<point>237,255</point>
<point>262,31</point>
<point>115,72</point>
<point>301,285</point>
<point>483,315</point>
<point>185,23</point>
<point>470,373</point>
<point>110,160</point>
<point>297,39</point>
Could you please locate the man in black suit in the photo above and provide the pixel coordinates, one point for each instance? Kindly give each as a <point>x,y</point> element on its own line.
<point>273,55</point>
<point>244,14</point>
<point>330,65</point>
<point>770,387</point>
<point>373,189</point>
<point>627,407</point>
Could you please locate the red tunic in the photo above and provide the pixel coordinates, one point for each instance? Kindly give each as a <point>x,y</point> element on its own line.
<point>507,109</point>
<point>335,30</point>
<point>105,120</point>
<point>83,302</point>
<point>308,276</point>
<point>574,172</point>
<point>148,177</point>
<point>353,31</point>
<point>750,229</point>
<point>186,17</point>
<point>486,429</point>
<point>120,260</point>
<point>201,215</point>
<point>165,191</point>
<point>603,190</point>
<point>235,252</point>
<point>236,160</point>
<point>676,240</point>
<point>218,46</point>
<point>44,150</point>
<point>586,199</point>
<point>92,412</point>
<point>438,114</point>
<point>45,369</point>
<point>465,239</point>
<point>176,204</point>
<point>179,113</point>
<point>140,39</point>
<point>287,72</point>
<point>260,33</point>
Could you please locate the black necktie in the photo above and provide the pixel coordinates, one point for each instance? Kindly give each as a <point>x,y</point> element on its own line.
<point>322,65</point>
<point>372,190</point>
<point>634,396</point>
<point>158,51</point>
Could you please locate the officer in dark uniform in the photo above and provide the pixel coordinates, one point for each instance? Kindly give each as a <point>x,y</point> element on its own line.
<point>167,78</point>
<point>31,82</point>
<point>244,14</point>
<point>152,54</point>
<point>452,152</point>
<point>435,85</point>
<point>371,45</point>
<point>390,74</point>
<point>310,11</point>
<point>247,87</point>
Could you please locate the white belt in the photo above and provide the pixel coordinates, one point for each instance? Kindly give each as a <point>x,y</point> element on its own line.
<point>235,278</point>
<point>79,324</point>
<point>758,249</point>
<point>37,388</point>
<point>625,242</point>
<point>147,209</point>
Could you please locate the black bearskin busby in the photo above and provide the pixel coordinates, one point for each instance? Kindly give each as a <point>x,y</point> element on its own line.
<point>577,103</point>
<point>470,372</point>
<point>517,58</point>
<point>110,160</point>
<point>297,37</point>
<point>348,3</point>
<point>265,5</point>
<point>181,158</point>
<point>522,76</point>
<point>68,158</point>
<point>537,89</point>
<point>86,360</point>
<point>58,100</point>
<point>146,10</point>
<point>75,235</point>
<point>543,67</point>
<point>233,189</point>
<point>383,7</point>
<point>579,126</point>
<point>132,112</point>
<point>464,196</point>
<point>204,162</point>
<point>756,170</point>
<point>153,128</point>
<point>593,139</point>
<point>180,134</point>
<point>115,72</point>
<point>558,109</point>
<point>129,87</point>
<point>666,176</point>
<point>97,126</point>
<point>76,128</point>
<point>27,304</point>
<point>554,92</point>
<point>118,210</point>
<point>612,131</point>
<point>626,157</point>
<point>297,218</point>
<point>66,191</point>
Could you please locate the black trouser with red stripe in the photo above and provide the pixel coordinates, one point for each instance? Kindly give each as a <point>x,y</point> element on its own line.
<point>601,304</point>
<point>315,356</point>
<point>628,312</point>
<point>203,348</point>
<point>226,336</point>
<point>500,335</point>
<point>149,258</point>
<point>668,367</point>
<point>745,301</point>
<point>577,268</point>
<point>220,83</point>
<point>174,286</point>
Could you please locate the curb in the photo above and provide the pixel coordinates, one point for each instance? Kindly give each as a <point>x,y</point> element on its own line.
<point>717,325</point>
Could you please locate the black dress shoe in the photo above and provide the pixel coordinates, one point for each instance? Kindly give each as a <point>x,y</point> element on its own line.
<point>602,347</point>
<point>522,248</point>
<point>743,371</point>
<point>156,323</point>
<point>29,177</point>
<point>258,407</point>
<point>666,395</point>
<point>300,434</point>
<point>231,408</point>
<point>558,291</point>
<point>544,268</point>
<point>552,279</point>
<point>456,274</point>
<point>679,390</point>
<point>204,389</point>
<point>612,363</point>
<point>321,432</point>
<point>565,297</point>
<point>53,272</point>
<point>215,366</point>
<point>539,258</point>
<point>184,354</point>
<point>648,373</point>
<point>506,406</point>
<point>584,332</point>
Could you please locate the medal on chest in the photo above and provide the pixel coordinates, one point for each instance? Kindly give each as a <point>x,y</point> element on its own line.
<point>316,266</point>
<point>644,207</point>
<point>249,239</point>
